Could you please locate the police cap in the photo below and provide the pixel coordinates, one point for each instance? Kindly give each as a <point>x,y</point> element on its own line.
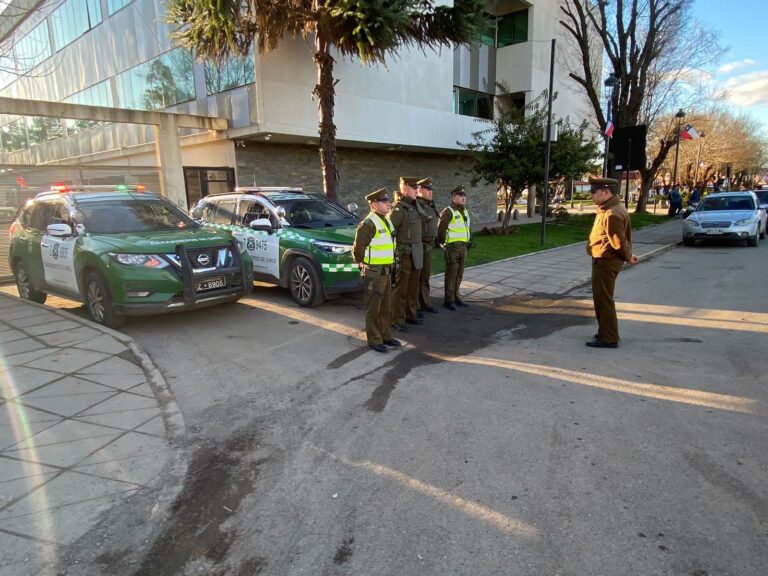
<point>600,183</point>
<point>409,181</point>
<point>459,190</point>
<point>380,194</point>
<point>425,183</point>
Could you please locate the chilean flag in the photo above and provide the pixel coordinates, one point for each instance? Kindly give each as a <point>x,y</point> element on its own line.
<point>689,133</point>
<point>609,127</point>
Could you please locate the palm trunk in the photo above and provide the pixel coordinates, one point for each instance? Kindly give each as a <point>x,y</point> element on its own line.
<point>325,94</point>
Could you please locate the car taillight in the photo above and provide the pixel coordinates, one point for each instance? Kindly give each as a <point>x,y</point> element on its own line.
<point>12,229</point>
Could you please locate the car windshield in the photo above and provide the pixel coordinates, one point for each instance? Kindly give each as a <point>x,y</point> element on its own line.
<point>133,215</point>
<point>726,203</point>
<point>315,213</point>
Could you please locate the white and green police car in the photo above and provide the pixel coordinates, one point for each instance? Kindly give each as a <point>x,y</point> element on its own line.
<point>296,240</point>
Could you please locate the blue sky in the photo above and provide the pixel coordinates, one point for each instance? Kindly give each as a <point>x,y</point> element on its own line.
<point>743,70</point>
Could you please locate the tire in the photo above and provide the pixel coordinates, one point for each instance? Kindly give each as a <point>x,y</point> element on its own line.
<point>688,242</point>
<point>98,302</point>
<point>753,240</point>
<point>304,283</point>
<point>24,286</point>
<point>762,235</point>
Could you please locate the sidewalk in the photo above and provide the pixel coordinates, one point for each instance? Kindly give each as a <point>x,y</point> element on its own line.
<point>553,271</point>
<point>85,423</point>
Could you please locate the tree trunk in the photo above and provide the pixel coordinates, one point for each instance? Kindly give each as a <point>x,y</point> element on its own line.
<point>648,174</point>
<point>325,93</point>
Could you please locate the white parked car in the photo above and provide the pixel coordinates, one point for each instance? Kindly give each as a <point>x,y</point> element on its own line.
<point>728,216</point>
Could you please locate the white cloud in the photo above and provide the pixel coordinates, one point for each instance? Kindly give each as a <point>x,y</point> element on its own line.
<point>748,89</point>
<point>731,66</point>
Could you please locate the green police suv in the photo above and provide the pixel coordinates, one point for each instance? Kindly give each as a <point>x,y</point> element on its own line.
<point>123,252</point>
<point>298,241</point>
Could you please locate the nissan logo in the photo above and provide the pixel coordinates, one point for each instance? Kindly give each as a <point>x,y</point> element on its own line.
<point>203,259</point>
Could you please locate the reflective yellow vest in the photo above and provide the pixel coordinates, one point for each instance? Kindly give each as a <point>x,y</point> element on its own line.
<point>458,229</point>
<point>381,250</point>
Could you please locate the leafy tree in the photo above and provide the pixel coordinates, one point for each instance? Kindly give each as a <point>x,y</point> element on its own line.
<point>510,153</point>
<point>369,30</point>
<point>655,48</point>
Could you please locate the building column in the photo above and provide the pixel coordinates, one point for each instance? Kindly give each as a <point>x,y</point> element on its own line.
<point>168,152</point>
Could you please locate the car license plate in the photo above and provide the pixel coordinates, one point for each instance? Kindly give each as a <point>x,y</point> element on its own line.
<point>715,231</point>
<point>210,284</point>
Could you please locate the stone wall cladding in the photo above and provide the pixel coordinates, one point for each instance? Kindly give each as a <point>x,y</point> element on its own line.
<point>363,171</point>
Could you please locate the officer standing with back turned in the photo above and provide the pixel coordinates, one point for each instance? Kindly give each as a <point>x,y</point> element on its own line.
<point>374,252</point>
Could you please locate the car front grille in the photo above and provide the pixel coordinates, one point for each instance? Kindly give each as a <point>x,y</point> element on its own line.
<point>715,224</point>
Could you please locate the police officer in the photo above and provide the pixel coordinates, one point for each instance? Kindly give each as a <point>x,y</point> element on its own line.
<point>406,217</point>
<point>453,233</point>
<point>374,252</point>
<point>428,237</point>
<point>610,246</point>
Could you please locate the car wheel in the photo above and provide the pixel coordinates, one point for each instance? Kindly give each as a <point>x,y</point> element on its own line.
<point>688,241</point>
<point>24,285</point>
<point>304,283</point>
<point>762,234</point>
<point>98,302</point>
<point>753,240</point>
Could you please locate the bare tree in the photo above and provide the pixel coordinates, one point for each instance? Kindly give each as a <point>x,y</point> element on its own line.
<point>656,50</point>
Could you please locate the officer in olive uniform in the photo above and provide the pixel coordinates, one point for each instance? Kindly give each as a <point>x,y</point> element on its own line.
<point>610,246</point>
<point>406,216</point>
<point>453,234</point>
<point>428,236</point>
<point>374,252</point>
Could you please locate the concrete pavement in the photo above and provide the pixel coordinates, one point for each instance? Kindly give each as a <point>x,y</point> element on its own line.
<point>86,422</point>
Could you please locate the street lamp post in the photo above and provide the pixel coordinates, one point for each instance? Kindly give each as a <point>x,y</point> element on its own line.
<point>680,115</point>
<point>698,160</point>
<point>611,83</point>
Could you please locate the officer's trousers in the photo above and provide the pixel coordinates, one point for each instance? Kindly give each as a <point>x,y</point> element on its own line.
<point>406,289</point>
<point>604,273</point>
<point>425,301</point>
<point>455,259</point>
<point>377,302</point>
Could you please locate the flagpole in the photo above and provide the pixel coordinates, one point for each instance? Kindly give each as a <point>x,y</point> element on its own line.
<point>698,159</point>
<point>680,115</point>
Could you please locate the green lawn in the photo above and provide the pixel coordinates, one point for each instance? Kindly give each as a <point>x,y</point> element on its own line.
<point>528,237</point>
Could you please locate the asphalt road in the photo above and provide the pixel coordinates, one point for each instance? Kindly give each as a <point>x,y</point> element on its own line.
<point>495,443</point>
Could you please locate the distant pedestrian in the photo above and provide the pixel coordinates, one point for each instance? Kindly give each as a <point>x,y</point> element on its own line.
<point>453,232</point>
<point>610,246</point>
<point>428,237</point>
<point>374,252</point>
<point>675,201</point>
<point>695,197</point>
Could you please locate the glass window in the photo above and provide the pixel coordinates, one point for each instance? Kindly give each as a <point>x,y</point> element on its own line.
<point>42,129</point>
<point>119,216</point>
<point>470,103</point>
<point>14,136</point>
<point>33,48</point>
<point>512,28</point>
<point>250,210</point>
<point>115,5</point>
<point>228,74</point>
<point>158,83</point>
<point>74,18</point>
<point>488,35</point>
<point>46,212</point>
<point>97,95</point>
<point>220,212</point>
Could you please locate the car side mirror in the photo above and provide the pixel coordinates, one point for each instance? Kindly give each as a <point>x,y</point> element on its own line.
<point>196,213</point>
<point>78,218</point>
<point>262,225</point>
<point>280,211</point>
<point>352,207</point>
<point>59,230</point>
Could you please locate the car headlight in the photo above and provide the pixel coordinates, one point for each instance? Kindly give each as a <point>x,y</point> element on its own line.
<point>691,222</point>
<point>332,247</point>
<point>146,260</point>
<point>746,221</point>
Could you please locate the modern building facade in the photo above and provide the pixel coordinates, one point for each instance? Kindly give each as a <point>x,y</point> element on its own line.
<point>405,118</point>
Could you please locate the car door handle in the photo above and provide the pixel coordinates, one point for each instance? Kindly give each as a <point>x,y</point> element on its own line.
<point>44,245</point>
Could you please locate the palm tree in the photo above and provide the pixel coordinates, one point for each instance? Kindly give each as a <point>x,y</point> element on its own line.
<point>366,29</point>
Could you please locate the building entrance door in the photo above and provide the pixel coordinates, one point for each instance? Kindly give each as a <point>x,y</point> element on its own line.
<point>203,181</point>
